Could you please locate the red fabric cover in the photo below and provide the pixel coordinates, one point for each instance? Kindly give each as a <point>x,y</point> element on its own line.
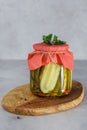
<point>50,48</point>
<point>45,54</point>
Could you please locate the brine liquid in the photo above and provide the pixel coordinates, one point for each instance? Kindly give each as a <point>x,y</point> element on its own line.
<point>51,80</point>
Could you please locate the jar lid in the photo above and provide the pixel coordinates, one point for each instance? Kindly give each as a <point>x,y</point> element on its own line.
<point>50,48</point>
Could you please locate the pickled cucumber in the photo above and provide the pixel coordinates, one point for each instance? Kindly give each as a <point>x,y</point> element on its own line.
<point>69,80</point>
<point>49,77</point>
<point>57,87</point>
<point>34,81</point>
<point>63,79</point>
<point>32,78</point>
<point>56,90</point>
<point>36,76</point>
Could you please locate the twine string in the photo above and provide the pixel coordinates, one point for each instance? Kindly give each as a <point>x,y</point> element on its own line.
<point>45,52</point>
<point>49,53</point>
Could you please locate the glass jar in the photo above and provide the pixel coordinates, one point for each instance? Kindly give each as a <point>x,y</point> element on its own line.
<point>51,80</point>
<point>50,70</point>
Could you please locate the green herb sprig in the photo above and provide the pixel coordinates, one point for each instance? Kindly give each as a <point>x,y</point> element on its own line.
<point>49,40</point>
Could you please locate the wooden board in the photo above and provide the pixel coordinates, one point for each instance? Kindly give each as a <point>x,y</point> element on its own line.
<point>21,101</point>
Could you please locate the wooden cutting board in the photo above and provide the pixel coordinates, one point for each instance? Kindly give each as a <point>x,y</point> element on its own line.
<point>21,101</point>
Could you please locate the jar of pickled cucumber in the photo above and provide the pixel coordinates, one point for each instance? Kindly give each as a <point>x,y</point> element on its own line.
<point>51,68</point>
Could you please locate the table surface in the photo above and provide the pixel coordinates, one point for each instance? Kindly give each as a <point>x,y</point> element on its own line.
<point>14,73</point>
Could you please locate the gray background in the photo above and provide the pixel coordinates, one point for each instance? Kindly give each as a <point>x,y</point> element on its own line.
<point>23,22</point>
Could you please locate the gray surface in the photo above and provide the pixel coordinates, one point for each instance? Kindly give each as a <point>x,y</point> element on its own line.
<point>23,22</point>
<point>14,73</point>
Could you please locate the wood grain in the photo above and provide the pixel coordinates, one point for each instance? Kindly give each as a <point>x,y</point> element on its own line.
<point>21,101</point>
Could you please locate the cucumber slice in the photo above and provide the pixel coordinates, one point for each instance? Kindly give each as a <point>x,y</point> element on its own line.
<point>69,82</point>
<point>31,79</point>
<point>57,87</point>
<point>49,77</point>
<point>63,78</point>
